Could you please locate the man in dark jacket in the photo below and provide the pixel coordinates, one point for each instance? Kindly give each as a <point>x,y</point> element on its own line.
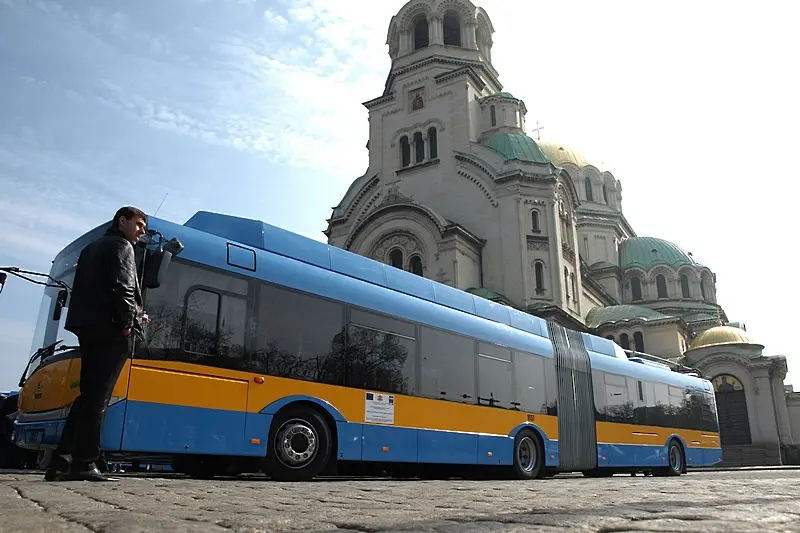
<point>105,310</point>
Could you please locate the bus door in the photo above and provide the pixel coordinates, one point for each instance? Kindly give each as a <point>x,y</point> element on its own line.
<point>183,394</point>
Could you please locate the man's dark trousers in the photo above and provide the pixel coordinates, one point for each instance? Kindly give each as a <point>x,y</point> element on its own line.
<point>103,354</point>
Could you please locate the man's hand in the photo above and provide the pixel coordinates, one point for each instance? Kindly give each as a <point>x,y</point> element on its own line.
<point>126,332</point>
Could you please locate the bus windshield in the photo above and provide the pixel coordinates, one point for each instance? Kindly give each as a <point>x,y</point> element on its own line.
<point>49,331</point>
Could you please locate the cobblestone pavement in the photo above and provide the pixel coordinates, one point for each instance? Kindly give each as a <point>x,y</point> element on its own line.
<point>735,501</point>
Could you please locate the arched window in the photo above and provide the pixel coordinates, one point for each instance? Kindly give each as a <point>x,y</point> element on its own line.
<point>605,193</point>
<point>685,286</point>
<point>416,265</point>
<point>638,341</point>
<point>419,147</point>
<point>610,337</point>
<point>566,282</point>
<point>574,286</point>
<point>434,148</point>
<point>396,258</point>
<point>451,28</point>
<point>405,152</point>
<point>535,221</point>
<point>636,289</point>
<point>588,186</point>
<point>661,286</point>
<point>493,113</point>
<point>420,33</point>
<point>624,341</point>
<point>538,270</point>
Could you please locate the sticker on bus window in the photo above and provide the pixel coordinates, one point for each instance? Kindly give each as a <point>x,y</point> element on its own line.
<point>379,408</point>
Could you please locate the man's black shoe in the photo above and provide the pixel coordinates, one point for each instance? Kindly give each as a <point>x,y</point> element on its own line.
<point>54,474</point>
<point>88,472</point>
<point>57,468</point>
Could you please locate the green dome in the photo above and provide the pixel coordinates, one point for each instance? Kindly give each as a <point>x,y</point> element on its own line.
<point>503,94</point>
<point>599,316</point>
<point>516,147</point>
<point>646,252</point>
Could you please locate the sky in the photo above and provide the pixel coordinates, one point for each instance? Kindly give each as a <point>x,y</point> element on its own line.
<point>254,108</point>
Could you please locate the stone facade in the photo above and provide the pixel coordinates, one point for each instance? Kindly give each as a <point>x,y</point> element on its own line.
<point>456,191</point>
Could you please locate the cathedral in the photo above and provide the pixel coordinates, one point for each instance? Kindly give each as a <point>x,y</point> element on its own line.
<point>458,192</point>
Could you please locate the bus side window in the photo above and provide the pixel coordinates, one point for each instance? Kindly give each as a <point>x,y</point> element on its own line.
<point>214,325</point>
<point>448,366</point>
<point>529,382</point>
<point>381,353</point>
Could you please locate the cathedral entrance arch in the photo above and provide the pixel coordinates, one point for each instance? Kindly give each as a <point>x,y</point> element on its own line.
<point>734,424</point>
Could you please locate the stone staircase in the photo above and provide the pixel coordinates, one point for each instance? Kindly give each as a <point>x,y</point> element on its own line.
<point>751,455</point>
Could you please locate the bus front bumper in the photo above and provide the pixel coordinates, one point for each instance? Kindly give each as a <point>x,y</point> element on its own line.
<point>38,435</point>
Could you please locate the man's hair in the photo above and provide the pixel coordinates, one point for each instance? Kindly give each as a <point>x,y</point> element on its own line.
<point>128,212</point>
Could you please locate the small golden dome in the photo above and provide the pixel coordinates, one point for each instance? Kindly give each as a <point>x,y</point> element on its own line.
<point>560,154</point>
<point>721,335</point>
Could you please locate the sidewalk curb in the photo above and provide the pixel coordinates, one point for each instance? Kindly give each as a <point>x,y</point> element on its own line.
<point>742,468</point>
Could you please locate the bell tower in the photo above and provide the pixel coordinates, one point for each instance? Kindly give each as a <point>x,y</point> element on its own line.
<point>441,67</point>
<point>428,25</point>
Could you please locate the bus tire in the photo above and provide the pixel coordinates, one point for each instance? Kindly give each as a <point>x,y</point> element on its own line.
<point>299,446</point>
<point>676,459</point>
<point>528,455</point>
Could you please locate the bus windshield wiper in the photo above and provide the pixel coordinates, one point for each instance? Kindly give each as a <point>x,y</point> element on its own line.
<point>16,271</point>
<point>38,353</point>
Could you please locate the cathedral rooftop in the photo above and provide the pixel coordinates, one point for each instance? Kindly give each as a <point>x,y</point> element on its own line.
<point>560,154</point>
<point>600,316</point>
<point>515,146</point>
<point>503,94</point>
<point>646,252</point>
<point>721,335</point>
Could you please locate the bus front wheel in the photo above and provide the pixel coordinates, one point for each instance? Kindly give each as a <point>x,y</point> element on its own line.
<point>299,445</point>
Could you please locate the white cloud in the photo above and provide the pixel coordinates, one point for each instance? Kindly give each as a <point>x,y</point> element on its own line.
<point>302,14</point>
<point>275,20</point>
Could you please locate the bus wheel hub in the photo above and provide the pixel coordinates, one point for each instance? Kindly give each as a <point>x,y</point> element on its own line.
<point>297,443</point>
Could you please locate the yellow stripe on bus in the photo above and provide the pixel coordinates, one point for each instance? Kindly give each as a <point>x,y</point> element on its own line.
<point>615,433</point>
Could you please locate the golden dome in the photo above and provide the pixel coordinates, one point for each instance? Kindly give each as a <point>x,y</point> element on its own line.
<point>721,335</point>
<point>560,154</point>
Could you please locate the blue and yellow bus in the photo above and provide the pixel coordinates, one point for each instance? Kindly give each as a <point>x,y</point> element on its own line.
<point>268,351</point>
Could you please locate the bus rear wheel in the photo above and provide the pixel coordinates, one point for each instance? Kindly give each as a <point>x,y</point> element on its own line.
<point>299,445</point>
<point>528,455</point>
<point>676,460</point>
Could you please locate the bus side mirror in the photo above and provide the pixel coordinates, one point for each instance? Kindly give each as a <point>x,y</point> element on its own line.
<point>157,263</point>
<point>61,301</point>
<point>3,279</point>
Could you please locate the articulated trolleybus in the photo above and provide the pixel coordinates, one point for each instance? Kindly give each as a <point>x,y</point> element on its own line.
<point>268,351</point>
